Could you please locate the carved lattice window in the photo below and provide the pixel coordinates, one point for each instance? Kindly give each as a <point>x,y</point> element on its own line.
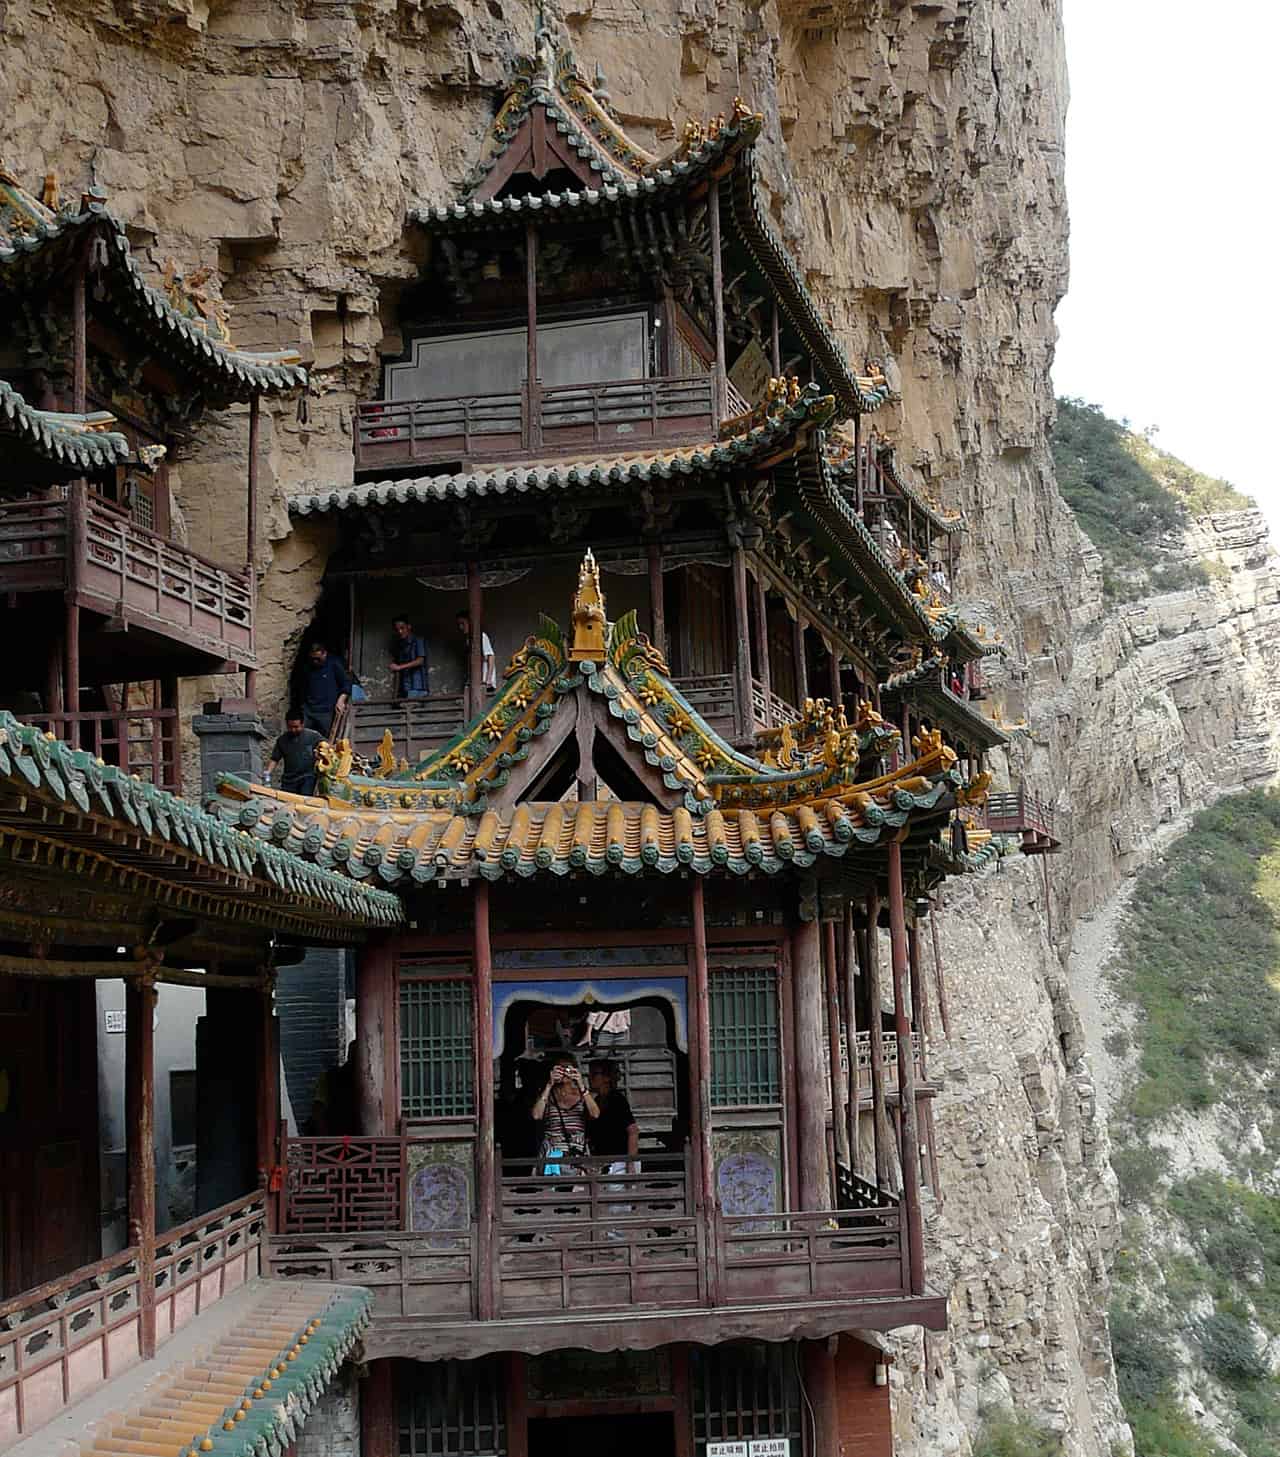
<point>745,1066</point>
<point>436,1074</point>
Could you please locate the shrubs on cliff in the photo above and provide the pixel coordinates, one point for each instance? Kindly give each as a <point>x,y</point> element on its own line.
<point>1011,1434</point>
<point>1127,495</point>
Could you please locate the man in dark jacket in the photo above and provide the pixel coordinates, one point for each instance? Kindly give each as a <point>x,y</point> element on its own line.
<point>325,688</point>
<point>295,752</point>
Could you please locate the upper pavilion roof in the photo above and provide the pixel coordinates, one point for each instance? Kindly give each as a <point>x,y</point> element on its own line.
<point>459,812</point>
<point>553,121</point>
<point>180,322</point>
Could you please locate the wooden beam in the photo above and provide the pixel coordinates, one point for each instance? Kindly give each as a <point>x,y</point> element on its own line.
<point>875,1027</point>
<point>700,1067</point>
<point>482,981</point>
<point>140,1134</point>
<point>811,1130</point>
<point>839,1124</point>
<point>657,599</point>
<point>717,298</point>
<point>251,537</point>
<point>908,1112</point>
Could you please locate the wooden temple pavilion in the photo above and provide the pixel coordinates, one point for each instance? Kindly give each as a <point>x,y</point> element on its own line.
<point>104,878</point>
<point>718,807</point>
<point>103,377</point>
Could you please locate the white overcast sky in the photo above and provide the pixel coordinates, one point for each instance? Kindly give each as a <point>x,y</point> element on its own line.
<point>1173,171</point>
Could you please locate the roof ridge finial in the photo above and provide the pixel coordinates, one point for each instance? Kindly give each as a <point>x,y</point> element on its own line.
<point>588,614</point>
<point>544,50</point>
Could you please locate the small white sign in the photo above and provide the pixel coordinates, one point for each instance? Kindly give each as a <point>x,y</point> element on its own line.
<point>115,1021</point>
<point>770,1447</point>
<point>727,1449</point>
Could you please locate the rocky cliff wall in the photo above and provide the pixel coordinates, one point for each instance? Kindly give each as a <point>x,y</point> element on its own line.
<point>914,156</point>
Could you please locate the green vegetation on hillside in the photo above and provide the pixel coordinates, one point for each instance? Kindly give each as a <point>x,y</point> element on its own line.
<point>1200,961</point>
<point>1127,495</point>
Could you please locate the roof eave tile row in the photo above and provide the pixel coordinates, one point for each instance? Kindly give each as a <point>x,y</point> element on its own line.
<point>70,441</point>
<point>241,374</point>
<point>31,760</point>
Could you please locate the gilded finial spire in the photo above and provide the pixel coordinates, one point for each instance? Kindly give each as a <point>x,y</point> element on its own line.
<point>588,614</point>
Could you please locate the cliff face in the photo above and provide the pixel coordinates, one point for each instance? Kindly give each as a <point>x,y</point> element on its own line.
<point>914,156</point>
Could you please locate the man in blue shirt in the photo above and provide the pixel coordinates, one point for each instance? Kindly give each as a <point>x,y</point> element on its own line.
<point>408,660</point>
<point>325,688</point>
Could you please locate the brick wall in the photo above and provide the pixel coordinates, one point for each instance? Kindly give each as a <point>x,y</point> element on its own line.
<point>333,1428</point>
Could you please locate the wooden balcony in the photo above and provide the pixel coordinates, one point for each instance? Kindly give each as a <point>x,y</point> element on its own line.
<point>593,1241</point>
<point>1015,812</point>
<point>587,419</point>
<point>71,1335</point>
<point>129,576</point>
<point>142,741</point>
<point>420,726</point>
<point>891,1055</point>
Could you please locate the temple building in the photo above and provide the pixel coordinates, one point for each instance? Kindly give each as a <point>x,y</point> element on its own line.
<point>650,847</point>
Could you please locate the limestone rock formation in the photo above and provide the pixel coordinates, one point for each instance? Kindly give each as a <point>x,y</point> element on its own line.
<point>915,164</point>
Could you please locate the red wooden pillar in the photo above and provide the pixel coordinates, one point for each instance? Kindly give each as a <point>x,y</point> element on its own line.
<point>906,1071</point>
<point>831,981</point>
<point>140,1140</point>
<point>810,1053</point>
<point>377,1050</point>
<point>379,1434</point>
<point>802,667</point>
<point>700,1066</point>
<point>875,1029</point>
<point>762,644</point>
<point>251,532</point>
<point>268,1092</point>
<point>657,599</point>
<point>851,1037</point>
<point>820,1387</point>
<point>742,643</point>
<point>482,956</point>
<point>517,1406</point>
<point>475,644</point>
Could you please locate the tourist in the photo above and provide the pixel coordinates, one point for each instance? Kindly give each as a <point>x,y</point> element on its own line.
<point>938,578</point>
<point>295,752</point>
<point>614,1134</point>
<point>408,659</point>
<point>326,687</point>
<point>562,1109</point>
<point>488,665</point>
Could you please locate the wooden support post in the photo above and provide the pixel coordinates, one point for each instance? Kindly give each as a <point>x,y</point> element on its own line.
<point>811,1121</point>
<point>378,1427</point>
<point>681,1390</point>
<point>533,385</point>
<point>937,975</point>
<point>268,1099</point>
<point>717,301</point>
<point>79,339</point>
<point>700,1067</point>
<point>77,555</point>
<point>71,672</point>
<point>475,644</point>
<point>251,531</point>
<point>53,700</point>
<point>170,732</point>
<point>875,1026</point>
<point>486,1203</point>
<point>762,644</point>
<point>140,1143</point>
<point>657,599</point>
<point>906,1071</point>
<point>742,644</point>
<point>775,341</point>
<point>818,1358</point>
<point>377,1050</point>
<point>839,1119</point>
<point>833,653</point>
<point>797,653</point>
<point>920,1015</point>
<point>517,1405</point>
<point>851,1036</point>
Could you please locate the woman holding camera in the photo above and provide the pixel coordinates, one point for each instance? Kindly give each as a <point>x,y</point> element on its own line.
<point>562,1110</point>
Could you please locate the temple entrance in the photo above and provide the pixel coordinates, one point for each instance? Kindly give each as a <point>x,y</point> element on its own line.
<point>630,1434</point>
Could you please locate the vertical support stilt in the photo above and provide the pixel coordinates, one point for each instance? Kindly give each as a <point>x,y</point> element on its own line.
<point>475,643</point>
<point>140,1137</point>
<point>742,644</point>
<point>657,599</point>
<point>802,666</point>
<point>377,1046</point>
<point>875,1026</point>
<point>811,1122</point>
<point>268,1099</point>
<point>482,959</point>
<point>378,1428</point>
<point>762,642</point>
<point>717,300</point>
<point>910,1132</point>
<point>251,535</point>
<point>818,1358</point>
<point>839,1119</point>
<point>851,1036</point>
<point>700,1066</point>
<point>937,974</point>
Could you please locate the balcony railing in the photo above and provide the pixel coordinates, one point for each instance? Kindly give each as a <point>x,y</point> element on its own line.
<point>590,417</point>
<point>122,570</point>
<point>1015,812</point>
<point>142,741</point>
<point>890,1044</point>
<point>63,1339</point>
<point>597,1236</point>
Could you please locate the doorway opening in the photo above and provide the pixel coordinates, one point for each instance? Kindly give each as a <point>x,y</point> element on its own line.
<point>624,1434</point>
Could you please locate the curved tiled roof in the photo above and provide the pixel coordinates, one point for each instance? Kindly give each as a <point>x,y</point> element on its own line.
<point>178,843</point>
<point>812,410</point>
<point>76,442</point>
<point>31,233</point>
